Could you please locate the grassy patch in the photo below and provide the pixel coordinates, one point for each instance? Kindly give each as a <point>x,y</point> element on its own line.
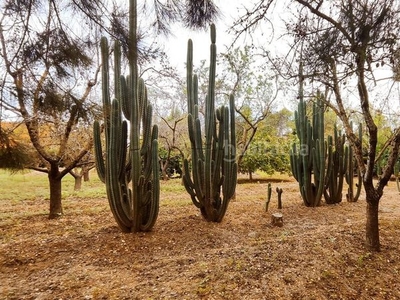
<point>34,185</point>
<point>23,186</point>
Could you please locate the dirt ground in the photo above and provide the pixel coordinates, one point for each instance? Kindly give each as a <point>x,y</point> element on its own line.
<point>317,254</point>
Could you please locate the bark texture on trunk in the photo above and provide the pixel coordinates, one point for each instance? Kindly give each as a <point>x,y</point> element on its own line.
<point>78,183</point>
<point>372,225</point>
<point>55,193</point>
<point>86,177</point>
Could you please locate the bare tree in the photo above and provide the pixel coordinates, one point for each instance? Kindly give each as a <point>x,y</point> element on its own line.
<point>169,135</point>
<point>255,89</point>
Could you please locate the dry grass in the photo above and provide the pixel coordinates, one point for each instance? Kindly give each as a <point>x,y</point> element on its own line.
<point>317,254</point>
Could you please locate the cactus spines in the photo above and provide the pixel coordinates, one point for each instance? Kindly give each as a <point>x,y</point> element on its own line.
<point>308,161</point>
<point>352,196</point>
<point>131,175</point>
<point>214,167</point>
<point>337,161</point>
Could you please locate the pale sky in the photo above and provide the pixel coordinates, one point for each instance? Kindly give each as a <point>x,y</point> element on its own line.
<point>176,45</point>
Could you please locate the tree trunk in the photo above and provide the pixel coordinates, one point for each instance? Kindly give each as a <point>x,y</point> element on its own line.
<point>164,174</point>
<point>78,183</point>
<point>55,192</point>
<point>372,226</point>
<point>86,177</point>
<point>251,176</point>
<point>277,219</point>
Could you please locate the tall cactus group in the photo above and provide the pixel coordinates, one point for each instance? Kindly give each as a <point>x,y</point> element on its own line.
<point>308,159</point>
<point>320,166</point>
<point>214,167</point>
<point>129,170</point>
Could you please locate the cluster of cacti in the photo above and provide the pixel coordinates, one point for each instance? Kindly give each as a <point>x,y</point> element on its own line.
<point>352,196</point>
<point>337,160</point>
<point>214,164</point>
<point>308,160</point>
<point>131,175</point>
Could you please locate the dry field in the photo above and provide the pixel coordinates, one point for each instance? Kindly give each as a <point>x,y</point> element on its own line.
<point>317,254</point>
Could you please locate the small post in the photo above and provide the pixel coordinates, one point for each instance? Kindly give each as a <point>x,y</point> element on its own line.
<point>269,193</point>
<point>279,191</point>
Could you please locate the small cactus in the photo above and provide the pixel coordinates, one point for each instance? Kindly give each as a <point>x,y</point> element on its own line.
<point>279,191</point>
<point>269,193</point>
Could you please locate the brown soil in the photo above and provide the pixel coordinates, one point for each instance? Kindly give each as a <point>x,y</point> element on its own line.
<point>317,254</point>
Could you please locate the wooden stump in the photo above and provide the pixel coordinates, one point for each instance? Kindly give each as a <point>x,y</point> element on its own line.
<point>277,219</point>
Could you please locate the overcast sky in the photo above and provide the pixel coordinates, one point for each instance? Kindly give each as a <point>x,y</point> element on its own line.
<point>176,45</point>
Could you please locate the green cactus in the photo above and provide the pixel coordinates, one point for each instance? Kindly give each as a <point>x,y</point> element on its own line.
<point>215,168</point>
<point>131,175</point>
<point>352,196</point>
<point>337,161</point>
<point>308,161</point>
<point>269,194</point>
<point>279,191</point>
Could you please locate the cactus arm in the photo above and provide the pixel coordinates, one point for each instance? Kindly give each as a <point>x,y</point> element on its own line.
<point>98,152</point>
<point>136,208</point>
<point>352,196</point>
<point>269,193</point>
<point>279,191</point>
<point>338,164</point>
<point>153,190</point>
<point>308,162</point>
<point>213,178</point>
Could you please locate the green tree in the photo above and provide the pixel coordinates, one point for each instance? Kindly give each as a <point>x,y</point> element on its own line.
<point>46,85</point>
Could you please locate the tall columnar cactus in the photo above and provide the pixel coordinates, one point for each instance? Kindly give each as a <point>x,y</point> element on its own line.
<point>131,174</point>
<point>214,167</point>
<point>352,196</point>
<point>308,160</point>
<point>337,161</point>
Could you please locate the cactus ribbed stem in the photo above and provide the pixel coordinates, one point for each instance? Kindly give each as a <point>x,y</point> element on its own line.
<point>131,175</point>
<point>352,196</point>
<point>214,167</point>
<point>337,161</point>
<point>307,160</point>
